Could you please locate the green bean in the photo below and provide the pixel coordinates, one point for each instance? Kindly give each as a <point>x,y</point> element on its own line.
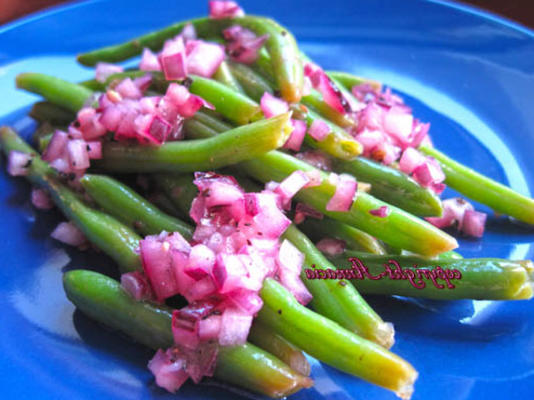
<point>252,83</point>
<point>476,186</point>
<point>224,75</point>
<point>230,147</point>
<point>203,120</point>
<point>235,106</point>
<point>179,189</point>
<point>281,46</point>
<point>354,238</point>
<point>477,278</point>
<point>247,366</point>
<point>348,80</point>
<point>399,228</point>
<point>44,111</point>
<point>129,207</point>
<point>275,344</point>
<point>332,344</point>
<point>338,300</point>
<point>393,186</point>
<point>114,238</point>
<point>56,90</point>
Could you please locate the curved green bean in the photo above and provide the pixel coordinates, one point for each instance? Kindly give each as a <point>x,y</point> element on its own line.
<point>126,205</point>
<point>103,299</point>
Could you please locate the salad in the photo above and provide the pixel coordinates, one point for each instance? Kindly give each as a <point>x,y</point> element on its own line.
<point>248,197</point>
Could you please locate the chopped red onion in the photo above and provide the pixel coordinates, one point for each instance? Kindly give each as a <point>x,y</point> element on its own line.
<point>297,135</point>
<point>68,233</point>
<point>105,70</point>
<point>41,199</point>
<point>128,89</point>
<point>149,61</point>
<point>453,212</point>
<point>78,156</point>
<point>292,184</point>
<point>168,369</point>
<point>473,223</point>
<point>345,194</point>
<point>303,210</point>
<point>209,328</point>
<point>235,326</point>
<point>331,93</point>
<point>18,163</point>
<point>94,150</point>
<point>429,173</point>
<point>380,212</point>
<point>203,58</point>
<point>201,262</point>
<point>331,246</point>
<point>242,44</point>
<point>272,106</point>
<point>174,66</point>
<point>319,130</point>
<point>56,147</point>
<point>290,258</point>
<point>136,285</point>
<point>225,9</point>
<point>157,255</point>
<point>410,160</point>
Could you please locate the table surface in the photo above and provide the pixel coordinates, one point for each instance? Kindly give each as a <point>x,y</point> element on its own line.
<point>521,11</point>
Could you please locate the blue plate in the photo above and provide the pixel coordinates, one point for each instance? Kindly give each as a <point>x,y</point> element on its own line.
<point>470,74</point>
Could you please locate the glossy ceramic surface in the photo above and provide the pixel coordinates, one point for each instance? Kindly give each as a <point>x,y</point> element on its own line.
<point>469,74</point>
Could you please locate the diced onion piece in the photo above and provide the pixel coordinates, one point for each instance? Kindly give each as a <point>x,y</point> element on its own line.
<point>410,160</point>
<point>156,256</point>
<point>136,285</point>
<point>94,150</point>
<point>128,89</point>
<point>319,130</point>
<point>174,66</point>
<point>56,147</point>
<point>290,258</point>
<point>18,163</point>
<point>235,326</point>
<point>272,106</point>
<point>68,233</point>
<point>297,135</point>
<point>149,61</point>
<point>78,156</point>
<point>380,212</point>
<point>168,370</point>
<point>209,328</point>
<point>345,194</point>
<point>473,223</point>
<point>104,70</point>
<point>203,58</point>
<point>290,186</point>
<point>41,199</point>
<point>331,246</point>
<point>225,9</point>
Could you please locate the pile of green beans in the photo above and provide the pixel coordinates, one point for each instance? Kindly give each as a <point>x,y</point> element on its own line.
<point>91,222</point>
<point>342,330</point>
